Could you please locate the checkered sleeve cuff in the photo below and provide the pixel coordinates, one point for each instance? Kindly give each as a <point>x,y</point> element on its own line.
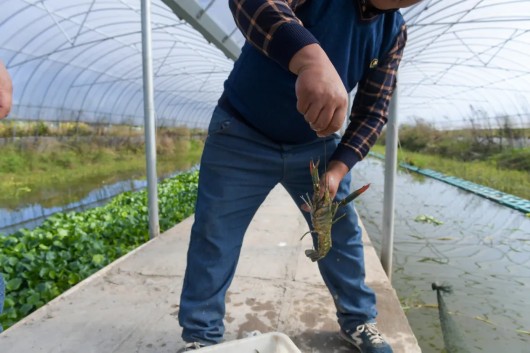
<point>287,41</point>
<point>347,155</point>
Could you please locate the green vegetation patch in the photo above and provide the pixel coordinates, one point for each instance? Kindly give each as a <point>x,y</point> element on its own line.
<point>36,172</point>
<point>487,173</point>
<point>41,264</point>
<point>428,219</point>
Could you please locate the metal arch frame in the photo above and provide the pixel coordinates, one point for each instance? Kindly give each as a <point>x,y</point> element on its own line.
<point>415,49</point>
<point>193,13</point>
<point>433,36</point>
<point>86,92</point>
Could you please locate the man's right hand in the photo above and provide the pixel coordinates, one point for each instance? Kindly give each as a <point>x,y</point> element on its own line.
<point>322,97</point>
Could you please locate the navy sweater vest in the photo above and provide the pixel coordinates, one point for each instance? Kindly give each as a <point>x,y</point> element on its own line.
<point>263,93</point>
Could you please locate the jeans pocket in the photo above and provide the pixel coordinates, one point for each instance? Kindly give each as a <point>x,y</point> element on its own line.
<point>220,122</point>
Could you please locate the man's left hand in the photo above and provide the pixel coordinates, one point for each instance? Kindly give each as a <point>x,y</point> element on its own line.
<point>336,172</point>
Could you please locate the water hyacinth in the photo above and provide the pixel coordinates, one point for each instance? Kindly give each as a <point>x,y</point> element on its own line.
<point>40,264</point>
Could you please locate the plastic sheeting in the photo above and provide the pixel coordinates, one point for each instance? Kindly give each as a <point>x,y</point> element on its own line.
<point>81,60</point>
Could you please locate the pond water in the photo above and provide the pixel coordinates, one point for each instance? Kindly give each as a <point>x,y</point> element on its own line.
<point>482,250</point>
<point>33,209</point>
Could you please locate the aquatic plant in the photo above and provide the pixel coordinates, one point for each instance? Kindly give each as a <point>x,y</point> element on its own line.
<point>428,219</point>
<point>40,264</point>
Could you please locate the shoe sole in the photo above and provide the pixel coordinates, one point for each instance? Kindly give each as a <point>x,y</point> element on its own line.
<point>349,340</point>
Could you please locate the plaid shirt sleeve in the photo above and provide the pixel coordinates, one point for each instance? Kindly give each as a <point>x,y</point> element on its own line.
<point>370,107</point>
<point>272,27</point>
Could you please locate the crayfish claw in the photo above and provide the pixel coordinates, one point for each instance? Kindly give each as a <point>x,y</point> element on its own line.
<point>313,255</point>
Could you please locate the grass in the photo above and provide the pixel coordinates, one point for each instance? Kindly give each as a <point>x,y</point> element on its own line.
<point>487,173</point>
<point>31,170</point>
<point>69,129</point>
<point>468,145</point>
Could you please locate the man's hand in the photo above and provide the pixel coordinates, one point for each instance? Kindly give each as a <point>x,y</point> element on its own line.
<point>336,172</point>
<point>322,97</point>
<point>6,92</point>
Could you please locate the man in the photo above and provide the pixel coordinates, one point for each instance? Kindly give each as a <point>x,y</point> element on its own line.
<point>284,100</point>
<point>6,91</point>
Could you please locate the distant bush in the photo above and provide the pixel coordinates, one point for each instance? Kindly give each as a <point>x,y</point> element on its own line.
<point>27,157</point>
<point>487,145</point>
<point>70,129</point>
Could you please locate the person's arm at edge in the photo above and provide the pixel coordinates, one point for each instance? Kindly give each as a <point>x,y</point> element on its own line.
<point>6,92</point>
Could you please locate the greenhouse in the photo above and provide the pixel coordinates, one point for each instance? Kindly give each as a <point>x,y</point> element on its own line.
<point>112,101</point>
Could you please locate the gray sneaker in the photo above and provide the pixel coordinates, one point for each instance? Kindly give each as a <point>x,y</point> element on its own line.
<point>367,339</point>
<point>189,347</point>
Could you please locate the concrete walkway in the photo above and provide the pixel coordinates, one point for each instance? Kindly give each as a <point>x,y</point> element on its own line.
<point>132,305</point>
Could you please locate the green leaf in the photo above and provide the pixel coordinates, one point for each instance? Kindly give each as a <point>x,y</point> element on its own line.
<point>43,272</point>
<point>33,299</point>
<point>62,232</point>
<point>98,259</point>
<point>430,259</point>
<point>51,255</point>
<point>27,275</point>
<point>74,278</point>
<point>52,274</point>
<point>21,247</point>
<point>58,244</point>
<point>25,309</point>
<point>9,303</point>
<point>10,313</point>
<point>41,287</point>
<point>29,256</point>
<point>14,284</point>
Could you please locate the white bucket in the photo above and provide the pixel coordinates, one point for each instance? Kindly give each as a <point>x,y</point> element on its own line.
<point>272,342</point>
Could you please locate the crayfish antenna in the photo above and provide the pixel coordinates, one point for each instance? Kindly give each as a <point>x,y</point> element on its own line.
<point>307,202</point>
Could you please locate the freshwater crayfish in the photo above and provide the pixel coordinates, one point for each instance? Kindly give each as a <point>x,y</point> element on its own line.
<point>323,210</point>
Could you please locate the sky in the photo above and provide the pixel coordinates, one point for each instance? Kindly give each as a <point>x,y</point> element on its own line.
<point>81,59</point>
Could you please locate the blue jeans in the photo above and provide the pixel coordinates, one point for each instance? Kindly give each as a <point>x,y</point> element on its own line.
<point>2,297</point>
<point>239,168</point>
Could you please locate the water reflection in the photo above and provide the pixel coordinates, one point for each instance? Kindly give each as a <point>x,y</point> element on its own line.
<point>36,207</point>
<point>482,250</point>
